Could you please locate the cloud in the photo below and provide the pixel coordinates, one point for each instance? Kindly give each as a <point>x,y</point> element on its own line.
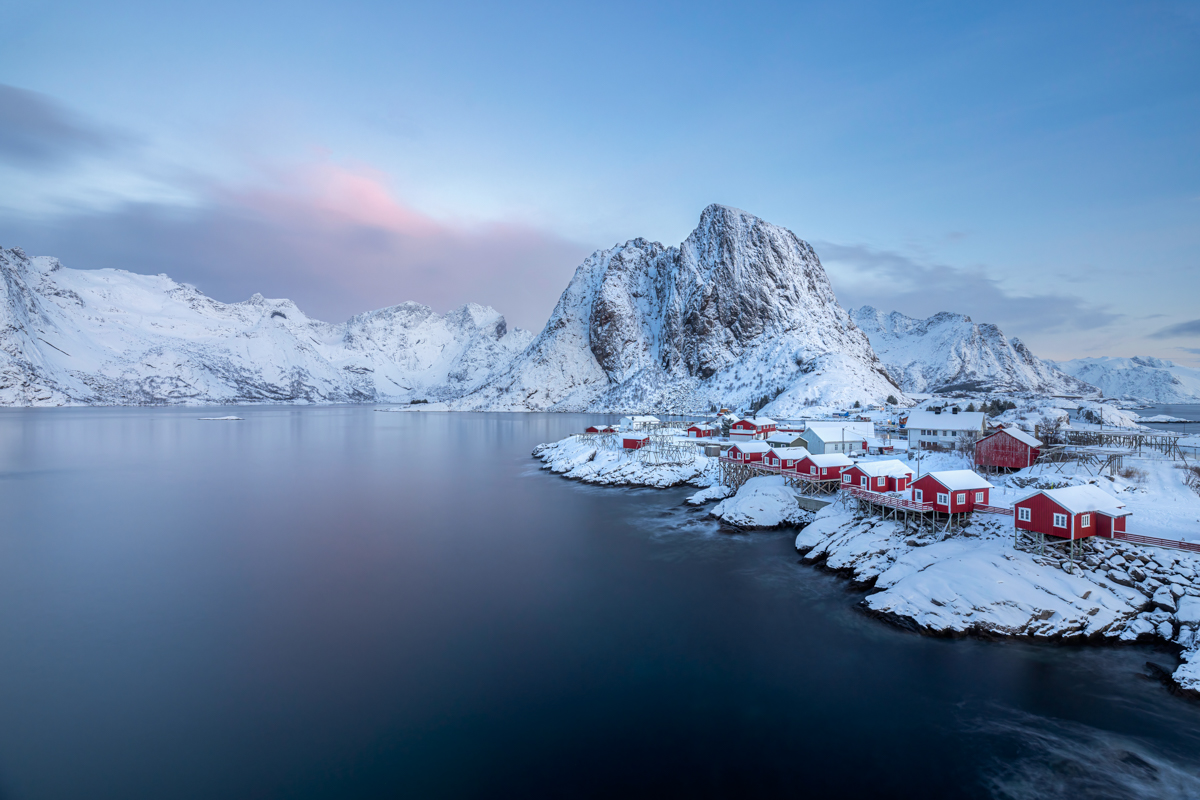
<point>892,281</point>
<point>334,239</point>
<point>35,132</point>
<point>1195,350</point>
<point>1191,328</point>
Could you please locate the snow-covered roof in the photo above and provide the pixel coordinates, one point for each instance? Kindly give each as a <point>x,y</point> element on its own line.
<point>959,480</point>
<point>947,420</point>
<point>752,447</point>
<point>636,435</point>
<point>831,460</point>
<point>1078,499</point>
<point>832,431</point>
<point>702,426</point>
<point>761,421</point>
<point>892,467</point>
<point>641,419</point>
<point>1020,436</point>
<point>783,436</point>
<point>789,452</point>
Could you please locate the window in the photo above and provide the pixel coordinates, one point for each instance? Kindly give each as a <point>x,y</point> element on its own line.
<point>812,470</point>
<point>918,495</point>
<point>1085,520</point>
<point>846,477</point>
<point>1060,520</point>
<point>962,498</point>
<point>979,497</point>
<point>1024,514</point>
<point>943,499</point>
<point>863,481</point>
<point>881,481</point>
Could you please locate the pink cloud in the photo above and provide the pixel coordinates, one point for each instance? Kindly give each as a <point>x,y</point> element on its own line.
<point>336,240</point>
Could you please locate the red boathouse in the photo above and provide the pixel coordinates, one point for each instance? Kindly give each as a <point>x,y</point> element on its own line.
<point>954,491</point>
<point>634,441</point>
<point>1073,512</point>
<point>748,452</point>
<point>1007,448</point>
<point>890,475</point>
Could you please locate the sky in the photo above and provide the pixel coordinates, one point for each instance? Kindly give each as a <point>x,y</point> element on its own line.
<point>1032,165</point>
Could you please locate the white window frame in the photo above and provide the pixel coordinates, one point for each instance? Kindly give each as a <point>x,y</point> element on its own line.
<point>1085,520</point>
<point>1060,520</point>
<point>845,477</point>
<point>812,470</point>
<point>881,482</point>
<point>943,499</point>
<point>962,498</point>
<point>1024,514</point>
<point>864,482</point>
<point>979,497</point>
<point>918,495</point>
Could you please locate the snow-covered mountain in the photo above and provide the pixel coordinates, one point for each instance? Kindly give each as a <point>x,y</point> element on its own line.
<point>740,310</point>
<point>113,337</point>
<point>1155,380</point>
<point>949,352</point>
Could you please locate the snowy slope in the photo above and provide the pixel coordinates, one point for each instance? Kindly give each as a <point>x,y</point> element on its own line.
<point>1142,378</point>
<point>113,337</point>
<point>741,309</point>
<point>949,352</point>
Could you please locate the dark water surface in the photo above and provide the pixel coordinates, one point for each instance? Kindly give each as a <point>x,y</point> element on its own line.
<point>342,603</point>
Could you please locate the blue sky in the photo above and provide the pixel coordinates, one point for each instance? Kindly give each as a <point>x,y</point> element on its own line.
<point>1033,165</point>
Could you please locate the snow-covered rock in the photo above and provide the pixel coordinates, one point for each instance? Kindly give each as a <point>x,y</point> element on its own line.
<point>740,310</point>
<point>763,502</point>
<point>948,352</point>
<point>975,582</point>
<point>579,458</point>
<point>1154,380</point>
<point>113,337</point>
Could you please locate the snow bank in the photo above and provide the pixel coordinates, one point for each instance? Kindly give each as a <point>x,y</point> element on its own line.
<point>764,502</point>
<point>703,496</point>
<point>976,583</point>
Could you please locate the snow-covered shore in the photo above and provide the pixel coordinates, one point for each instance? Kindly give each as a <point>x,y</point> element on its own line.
<point>586,460</point>
<point>976,583</point>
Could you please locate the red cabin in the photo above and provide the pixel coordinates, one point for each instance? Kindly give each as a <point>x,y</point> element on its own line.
<point>826,467</point>
<point>752,428</point>
<point>879,476</point>
<point>748,452</point>
<point>786,458</point>
<point>599,429</point>
<point>952,491</point>
<point>1009,448</point>
<point>634,441</point>
<point>1073,512</point>
<point>701,431</point>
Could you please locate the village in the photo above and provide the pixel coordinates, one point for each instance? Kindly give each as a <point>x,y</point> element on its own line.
<point>1023,522</point>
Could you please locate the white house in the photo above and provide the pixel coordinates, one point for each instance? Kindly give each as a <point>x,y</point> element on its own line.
<point>837,437</point>
<point>638,423</point>
<point>934,429</point>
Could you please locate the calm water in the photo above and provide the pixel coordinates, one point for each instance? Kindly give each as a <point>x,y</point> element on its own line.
<point>1189,412</point>
<point>340,603</point>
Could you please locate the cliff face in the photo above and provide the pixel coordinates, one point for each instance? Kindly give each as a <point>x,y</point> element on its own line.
<point>113,337</point>
<point>949,352</point>
<point>740,309</point>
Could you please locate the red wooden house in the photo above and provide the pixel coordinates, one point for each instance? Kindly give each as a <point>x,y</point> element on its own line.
<point>752,427</point>
<point>1073,512</point>
<point>954,491</point>
<point>785,458</point>
<point>748,452</point>
<point>1008,448</point>
<point>600,429</point>
<point>824,467</point>
<point>879,476</point>
<point>701,431</point>
<point>634,441</point>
